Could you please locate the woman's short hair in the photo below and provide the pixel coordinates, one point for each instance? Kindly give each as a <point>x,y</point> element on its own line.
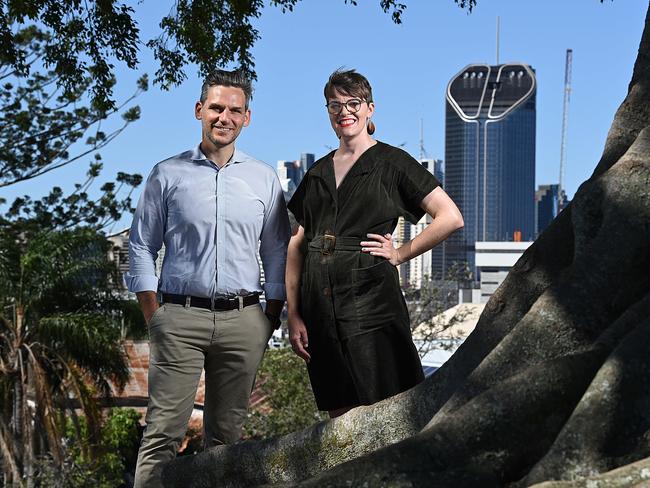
<point>350,83</point>
<point>220,77</point>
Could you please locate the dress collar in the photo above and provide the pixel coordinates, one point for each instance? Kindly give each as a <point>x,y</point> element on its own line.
<point>364,164</point>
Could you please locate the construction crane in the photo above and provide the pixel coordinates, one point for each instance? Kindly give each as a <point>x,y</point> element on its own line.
<point>565,127</point>
<point>423,152</point>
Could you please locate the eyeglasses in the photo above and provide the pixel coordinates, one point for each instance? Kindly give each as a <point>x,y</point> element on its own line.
<point>353,106</point>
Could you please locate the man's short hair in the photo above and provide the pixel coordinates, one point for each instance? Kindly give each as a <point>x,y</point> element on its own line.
<point>236,78</point>
<point>348,82</point>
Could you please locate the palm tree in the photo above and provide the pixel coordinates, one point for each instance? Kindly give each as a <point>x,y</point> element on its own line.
<point>59,342</point>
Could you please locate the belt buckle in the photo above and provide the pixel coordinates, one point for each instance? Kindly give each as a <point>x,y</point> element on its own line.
<point>329,243</point>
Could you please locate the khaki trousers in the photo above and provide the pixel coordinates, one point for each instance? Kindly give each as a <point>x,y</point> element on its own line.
<point>229,345</point>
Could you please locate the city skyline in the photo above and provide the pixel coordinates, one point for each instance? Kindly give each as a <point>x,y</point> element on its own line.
<point>408,66</point>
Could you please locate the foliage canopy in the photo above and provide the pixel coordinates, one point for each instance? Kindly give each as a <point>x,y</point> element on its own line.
<point>85,39</point>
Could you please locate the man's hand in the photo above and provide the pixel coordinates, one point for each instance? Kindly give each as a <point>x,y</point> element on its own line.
<point>298,336</point>
<point>274,310</point>
<point>274,307</point>
<point>148,304</point>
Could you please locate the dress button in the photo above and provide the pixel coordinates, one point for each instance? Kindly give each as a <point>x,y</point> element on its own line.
<point>327,291</point>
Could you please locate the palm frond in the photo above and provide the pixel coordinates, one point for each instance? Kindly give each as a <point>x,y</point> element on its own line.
<point>70,266</point>
<point>10,461</point>
<point>90,341</point>
<point>6,266</point>
<point>7,346</point>
<point>88,401</point>
<point>46,409</point>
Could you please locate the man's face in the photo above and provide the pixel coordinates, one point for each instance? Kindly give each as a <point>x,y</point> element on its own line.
<point>223,114</point>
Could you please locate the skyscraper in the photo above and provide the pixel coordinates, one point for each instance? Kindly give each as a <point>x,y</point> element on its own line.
<point>490,155</point>
<point>291,173</point>
<point>548,203</point>
<point>546,206</point>
<point>307,160</point>
<point>402,234</point>
<point>428,264</point>
<point>286,173</point>
<point>434,265</point>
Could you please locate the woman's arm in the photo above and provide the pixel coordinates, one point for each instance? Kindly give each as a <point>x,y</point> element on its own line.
<point>297,329</point>
<point>446,219</point>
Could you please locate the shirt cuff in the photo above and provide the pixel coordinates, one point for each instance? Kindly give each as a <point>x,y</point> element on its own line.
<point>136,283</point>
<point>275,291</point>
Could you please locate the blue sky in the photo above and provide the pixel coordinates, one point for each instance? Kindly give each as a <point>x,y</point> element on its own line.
<point>408,65</point>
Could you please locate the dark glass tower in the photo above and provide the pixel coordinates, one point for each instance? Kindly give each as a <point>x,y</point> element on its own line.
<point>547,202</point>
<point>307,160</point>
<point>490,155</point>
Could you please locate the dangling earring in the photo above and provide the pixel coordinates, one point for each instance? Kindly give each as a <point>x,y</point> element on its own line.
<point>370,126</point>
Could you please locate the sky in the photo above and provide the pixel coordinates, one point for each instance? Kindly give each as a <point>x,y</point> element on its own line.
<point>408,66</point>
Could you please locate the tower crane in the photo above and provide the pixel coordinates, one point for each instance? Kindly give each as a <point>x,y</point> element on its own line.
<point>423,152</point>
<point>565,127</point>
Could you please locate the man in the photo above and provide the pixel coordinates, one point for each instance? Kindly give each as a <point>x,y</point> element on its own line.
<point>211,206</point>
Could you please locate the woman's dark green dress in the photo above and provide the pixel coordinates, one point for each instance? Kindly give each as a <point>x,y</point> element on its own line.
<point>356,318</point>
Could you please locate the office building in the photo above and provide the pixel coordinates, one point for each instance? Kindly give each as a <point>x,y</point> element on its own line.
<point>435,265</point>
<point>490,156</point>
<point>291,173</point>
<point>494,260</point>
<point>307,160</point>
<point>419,268</point>
<point>548,203</point>
<point>435,167</point>
<point>429,264</point>
<point>118,254</point>
<point>546,206</point>
<point>401,235</point>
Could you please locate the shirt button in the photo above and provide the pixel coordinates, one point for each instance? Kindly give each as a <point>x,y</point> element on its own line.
<point>327,291</point>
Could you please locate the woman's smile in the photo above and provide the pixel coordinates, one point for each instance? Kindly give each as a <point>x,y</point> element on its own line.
<point>347,121</point>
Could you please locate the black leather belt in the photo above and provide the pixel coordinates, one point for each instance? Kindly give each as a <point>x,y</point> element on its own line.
<point>214,304</point>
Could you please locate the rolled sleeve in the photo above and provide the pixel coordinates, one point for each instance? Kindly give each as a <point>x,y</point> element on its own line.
<point>274,240</point>
<point>141,283</point>
<point>275,291</point>
<point>146,236</point>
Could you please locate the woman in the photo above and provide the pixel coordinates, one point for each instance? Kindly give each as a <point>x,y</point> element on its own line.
<point>347,316</point>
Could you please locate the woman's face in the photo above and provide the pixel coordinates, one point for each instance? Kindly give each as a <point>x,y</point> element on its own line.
<point>349,114</point>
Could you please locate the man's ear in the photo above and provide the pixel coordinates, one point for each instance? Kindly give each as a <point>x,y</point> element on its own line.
<point>197,110</point>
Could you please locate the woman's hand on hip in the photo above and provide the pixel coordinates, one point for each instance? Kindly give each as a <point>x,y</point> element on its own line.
<point>298,336</point>
<point>382,246</point>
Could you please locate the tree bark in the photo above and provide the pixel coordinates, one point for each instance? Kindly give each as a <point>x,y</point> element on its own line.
<point>553,384</point>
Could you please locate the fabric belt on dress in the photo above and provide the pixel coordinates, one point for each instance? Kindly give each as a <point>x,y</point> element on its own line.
<point>328,243</point>
<point>213,304</point>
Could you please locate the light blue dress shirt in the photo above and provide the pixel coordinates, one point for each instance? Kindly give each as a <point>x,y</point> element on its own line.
<point>212,221</point>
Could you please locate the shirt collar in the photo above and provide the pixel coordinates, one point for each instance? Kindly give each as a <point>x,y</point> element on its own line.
<point>197,155</point>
